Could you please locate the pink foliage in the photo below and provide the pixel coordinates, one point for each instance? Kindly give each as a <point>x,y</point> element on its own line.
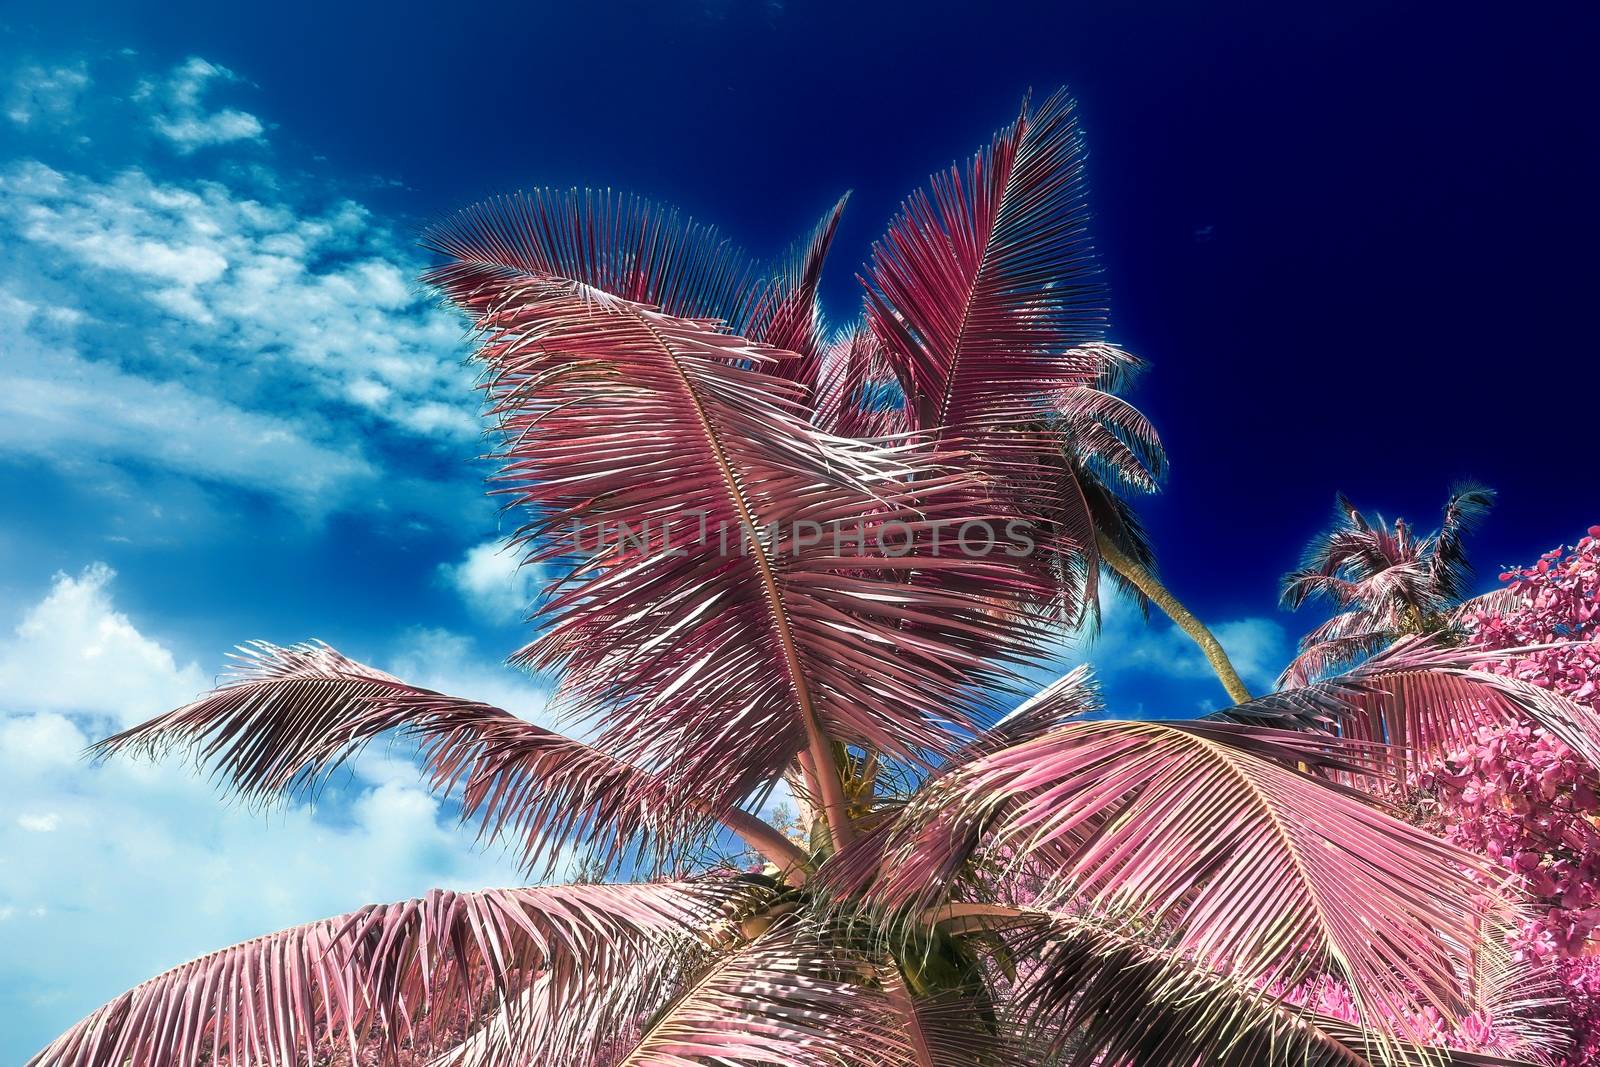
<point>1521,797</point>
<point>1330,998</point>
<point>1559,602</point>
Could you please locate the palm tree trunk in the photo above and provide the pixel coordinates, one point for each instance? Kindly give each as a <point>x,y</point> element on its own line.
<point>788,857</point>
<point>1181,616</point>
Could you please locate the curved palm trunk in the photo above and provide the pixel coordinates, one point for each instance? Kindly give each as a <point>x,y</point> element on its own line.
<point>1181,616</point>
<point>788,857</point>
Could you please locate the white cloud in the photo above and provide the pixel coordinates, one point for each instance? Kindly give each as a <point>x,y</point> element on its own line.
<point>46,95</point>
<point>178,113</point>
<point>77,414</point>
<point>493,583</point>
<point>318,297</point>
<point>42,743</point>
<point>191,327</point>
<point>176,328</point>
<point>1129,655</point>
<point>220,127</point>
<point>72,651</point>
<point>449,663</point>
<point>139,866</point>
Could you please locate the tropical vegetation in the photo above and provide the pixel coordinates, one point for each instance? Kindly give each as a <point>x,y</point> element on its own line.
<point>1045,885</point>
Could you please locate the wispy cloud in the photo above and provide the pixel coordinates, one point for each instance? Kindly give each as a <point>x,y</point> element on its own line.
<point>492,582</point>
<point>244,331</point>
<point>42,95</point>
<point>177,108</point>
<point>1153,669</point>
<point>319,298</point>
<point>82,415</point>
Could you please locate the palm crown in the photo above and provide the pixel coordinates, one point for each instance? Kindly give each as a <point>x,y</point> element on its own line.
<point>1046,886</point>
<point>1385,581</point>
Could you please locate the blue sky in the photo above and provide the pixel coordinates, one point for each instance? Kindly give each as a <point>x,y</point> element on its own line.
<point>1346,242</point>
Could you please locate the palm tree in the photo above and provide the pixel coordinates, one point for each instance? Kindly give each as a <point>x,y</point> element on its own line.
<point>1385,581</point>
<point>1043,887</point>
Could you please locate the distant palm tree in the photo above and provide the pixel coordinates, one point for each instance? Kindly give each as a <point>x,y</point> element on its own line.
<point>1109,451</point>
<point>1042,888</point>
<point>1385,581</point>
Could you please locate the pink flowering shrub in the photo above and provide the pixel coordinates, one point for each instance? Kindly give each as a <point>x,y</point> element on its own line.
<point>1523,798</point>
<point>1329,997</point>
<point>1559,602</point>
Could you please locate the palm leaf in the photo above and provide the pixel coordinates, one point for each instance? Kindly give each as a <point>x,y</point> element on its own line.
<point>789,314</point>
<point>290,716</point>
<point>979,288</point>
<point>620,244</point>
<point>1073,696</point>
<point>788,999</point>
<point>1502,601</point>
<point>1261,872</point>
<point>406,974</point>
<point>950,1028</point>
<point>1467,507</point>
<point>1424,699</point>
<point>1338,644</point>
<point>1107,434</point>
<point>987,298</point>
<point>1105,994</point>
<point>857,394</point>
<point>864,866</point>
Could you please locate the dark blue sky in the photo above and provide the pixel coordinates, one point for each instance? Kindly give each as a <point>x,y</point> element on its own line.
<point>1356,241</point>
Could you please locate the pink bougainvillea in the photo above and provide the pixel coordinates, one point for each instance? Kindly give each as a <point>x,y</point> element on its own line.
<point>1520,796</point>
<point>1556,601</point>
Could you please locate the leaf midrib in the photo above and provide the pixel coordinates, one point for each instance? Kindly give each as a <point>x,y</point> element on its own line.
<point>978,276</point>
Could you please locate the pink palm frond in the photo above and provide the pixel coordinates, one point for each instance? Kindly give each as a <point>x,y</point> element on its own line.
<point>1113,994</point>
<point>788,999</point>
<point>1425,700</point>
<point>1258,871</point>
<point>574,963</point>
<point>623,245</point>
<point>858,395</point>
<point>1501,601</point>
<point>1339,644</point>
<point>953,1028</point>
<point>1073,696</point>
<point>1106,433</point>
<point>988,301</point>
<point>982,284</point>
<point>290,716</point>
<point>1108,449</point>
<point>789,314</point>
